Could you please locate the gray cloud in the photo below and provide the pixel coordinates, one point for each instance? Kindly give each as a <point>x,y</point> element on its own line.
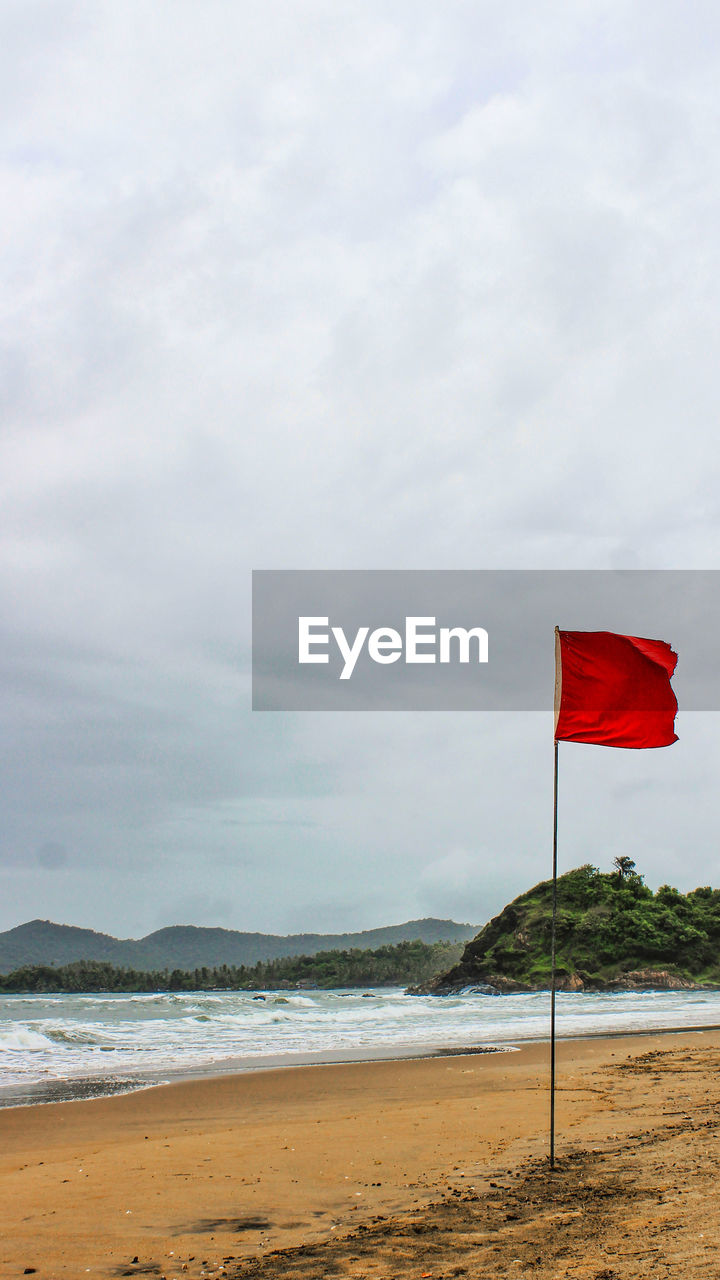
<point>336,286</point>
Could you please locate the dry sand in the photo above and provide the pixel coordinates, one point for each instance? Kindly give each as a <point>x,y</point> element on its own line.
<point>430,1168</point>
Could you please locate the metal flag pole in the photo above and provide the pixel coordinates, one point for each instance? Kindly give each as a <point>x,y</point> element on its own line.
<point>558,692</point>
<point>552,963</point>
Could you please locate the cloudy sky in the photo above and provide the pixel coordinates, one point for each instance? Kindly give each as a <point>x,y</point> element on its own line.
<point>319,284</point>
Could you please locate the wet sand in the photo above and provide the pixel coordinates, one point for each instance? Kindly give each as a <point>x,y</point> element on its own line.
<point>417,1168</point>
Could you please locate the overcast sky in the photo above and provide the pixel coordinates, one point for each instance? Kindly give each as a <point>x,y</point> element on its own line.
<point>316,284</point>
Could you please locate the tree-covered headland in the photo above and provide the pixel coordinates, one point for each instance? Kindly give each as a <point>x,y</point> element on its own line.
<point>613,933</point>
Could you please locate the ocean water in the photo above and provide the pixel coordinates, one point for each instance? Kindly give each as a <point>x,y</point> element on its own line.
<point>60,1046</point>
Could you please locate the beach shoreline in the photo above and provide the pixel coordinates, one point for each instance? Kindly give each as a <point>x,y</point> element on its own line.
<point>225,1171</point>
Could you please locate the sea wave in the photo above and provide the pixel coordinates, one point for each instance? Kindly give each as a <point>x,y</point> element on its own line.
<point>23,1040</point>
<point>98,1036</point>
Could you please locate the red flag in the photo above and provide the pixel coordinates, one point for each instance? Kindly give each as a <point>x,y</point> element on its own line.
<point>614,690</point>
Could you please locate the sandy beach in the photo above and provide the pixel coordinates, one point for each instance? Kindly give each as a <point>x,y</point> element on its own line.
<point>428,1167</point>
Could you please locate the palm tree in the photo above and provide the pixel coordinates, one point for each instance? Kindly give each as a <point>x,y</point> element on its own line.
<point>625,867</point>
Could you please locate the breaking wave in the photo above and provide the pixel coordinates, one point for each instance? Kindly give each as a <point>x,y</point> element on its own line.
<point>100,1037</point>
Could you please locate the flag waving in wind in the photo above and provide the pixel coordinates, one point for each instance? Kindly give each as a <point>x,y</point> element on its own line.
<point>614,690</point>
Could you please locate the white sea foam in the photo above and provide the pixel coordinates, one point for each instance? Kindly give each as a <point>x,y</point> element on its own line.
<point>98,1037</point>
<point>22,1039</point>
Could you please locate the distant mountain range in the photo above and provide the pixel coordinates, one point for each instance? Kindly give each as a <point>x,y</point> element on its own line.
<point>190,947</point>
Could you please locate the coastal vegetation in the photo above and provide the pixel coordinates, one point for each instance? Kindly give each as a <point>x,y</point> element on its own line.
<point>387,966</point>
<point>613,933</point>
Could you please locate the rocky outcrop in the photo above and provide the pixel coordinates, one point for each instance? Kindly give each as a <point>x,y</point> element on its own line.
<point>497,985</point>
<point>651,980</point>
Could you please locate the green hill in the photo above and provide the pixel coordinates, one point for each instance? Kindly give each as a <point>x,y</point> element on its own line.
<point>613,933</point>
<point>188,947</point>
